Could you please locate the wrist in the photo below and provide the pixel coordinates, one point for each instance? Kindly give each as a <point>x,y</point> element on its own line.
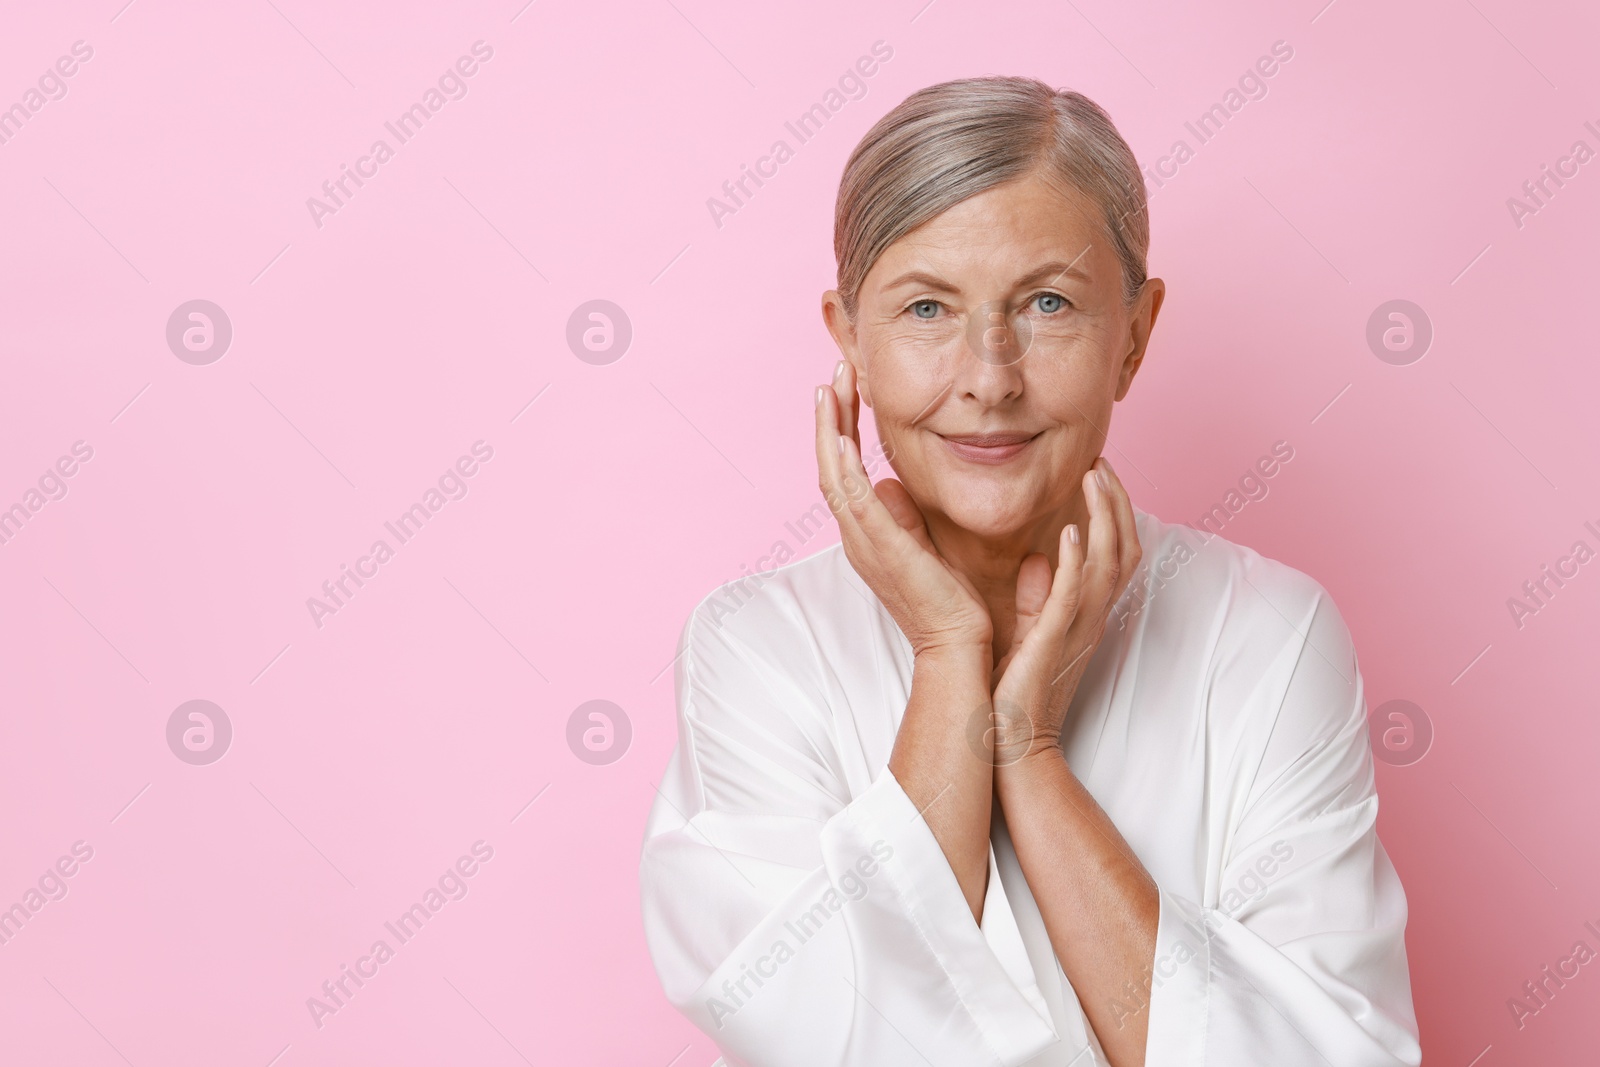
<point>1042,765</point>
<point>957,659</point>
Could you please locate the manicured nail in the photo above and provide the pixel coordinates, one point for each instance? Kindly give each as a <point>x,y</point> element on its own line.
<point>1102,481</point>
<point>819,395</point>
<point>1109,467</point>
<point>841,444</point>
<point>838,370</point>
<point>1072,532</point>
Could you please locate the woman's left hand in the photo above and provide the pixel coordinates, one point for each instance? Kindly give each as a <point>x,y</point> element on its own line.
<point>1061,620</point>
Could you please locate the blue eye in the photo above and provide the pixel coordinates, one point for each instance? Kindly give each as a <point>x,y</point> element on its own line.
<point>931,305</point>
<point>1050,303</point>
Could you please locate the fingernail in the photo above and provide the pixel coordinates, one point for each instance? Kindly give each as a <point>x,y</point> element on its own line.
<point>1102,481</point>
<point>819,395</point>
<point>1109,467</point>
<point>1072,532</point>
<point>838,370</point>
<point>841,444</point>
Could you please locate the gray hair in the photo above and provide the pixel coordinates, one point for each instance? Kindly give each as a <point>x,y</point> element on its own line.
<point>957,139</point>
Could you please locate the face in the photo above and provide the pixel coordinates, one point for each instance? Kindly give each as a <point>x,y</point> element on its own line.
<point>990,344</point>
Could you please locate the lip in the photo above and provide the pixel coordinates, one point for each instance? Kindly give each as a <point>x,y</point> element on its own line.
<point>987,448</point>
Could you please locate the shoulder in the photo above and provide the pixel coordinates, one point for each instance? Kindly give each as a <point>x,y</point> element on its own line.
<point>789,602</point>
<point>780,640</point>
<point>1203,582</point>
<point>1262,644</point>
<point>755,674</point>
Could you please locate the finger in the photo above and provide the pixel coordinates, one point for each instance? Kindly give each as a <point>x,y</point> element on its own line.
<point>868,524</point>
<point>1033,594</point>
<point>869,513</point>
<point>1066,587</point>
<point>1050,629</point>
<point>1102,562</point>
<point>844,387</point>
<point>866,527</point>
<point>898,500</point>
<point>1130,552</point>
<point>827,432</point>
<point>830,463</point>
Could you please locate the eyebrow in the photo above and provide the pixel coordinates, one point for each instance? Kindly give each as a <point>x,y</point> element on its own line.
<point>1052,270</point>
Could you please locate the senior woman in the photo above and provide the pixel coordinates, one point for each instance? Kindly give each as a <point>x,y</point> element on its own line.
<point>1016,773</point>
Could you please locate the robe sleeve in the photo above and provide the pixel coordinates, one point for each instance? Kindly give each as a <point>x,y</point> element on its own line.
<point>1302,960</point>
<point>796,924</point>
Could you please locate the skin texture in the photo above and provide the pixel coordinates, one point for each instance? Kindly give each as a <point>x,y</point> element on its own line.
<point>1002,574</point>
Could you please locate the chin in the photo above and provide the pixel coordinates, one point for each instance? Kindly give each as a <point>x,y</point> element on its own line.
<point>992,517</point>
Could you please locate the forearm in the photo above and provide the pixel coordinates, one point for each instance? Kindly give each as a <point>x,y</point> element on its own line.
<point>935,763</point>
<point>1099,904</point>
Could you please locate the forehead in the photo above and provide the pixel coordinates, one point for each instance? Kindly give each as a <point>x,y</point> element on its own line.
<point>1003,232</point>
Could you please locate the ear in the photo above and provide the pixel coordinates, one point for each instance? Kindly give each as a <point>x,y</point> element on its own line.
<point>844,336</point>
<point>1143,321</point>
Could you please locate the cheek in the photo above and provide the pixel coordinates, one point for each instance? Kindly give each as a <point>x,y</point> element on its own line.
<point>1073,362</point>
<point>1077,338</point>
<point>911,351</point>
<point>907,374</point>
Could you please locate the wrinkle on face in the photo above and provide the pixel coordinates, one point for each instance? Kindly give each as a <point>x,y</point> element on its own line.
<point>933,376</point>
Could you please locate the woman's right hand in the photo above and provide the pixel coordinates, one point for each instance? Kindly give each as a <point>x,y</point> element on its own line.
<point>886,538</point>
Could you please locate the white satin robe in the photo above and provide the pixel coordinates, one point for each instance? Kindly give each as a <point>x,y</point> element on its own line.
<point>800,911</point>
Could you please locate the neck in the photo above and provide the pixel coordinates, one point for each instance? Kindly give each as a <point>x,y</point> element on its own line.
<point>991,561</point>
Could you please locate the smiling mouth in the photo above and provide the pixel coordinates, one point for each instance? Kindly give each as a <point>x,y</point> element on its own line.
<point>988,448</point>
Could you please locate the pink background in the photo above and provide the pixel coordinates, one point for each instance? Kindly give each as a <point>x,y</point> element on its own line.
<point>368,354</point>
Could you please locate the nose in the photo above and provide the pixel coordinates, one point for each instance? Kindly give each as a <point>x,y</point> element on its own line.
<point>990,369</point>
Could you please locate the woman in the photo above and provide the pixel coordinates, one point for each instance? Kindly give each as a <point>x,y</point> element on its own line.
<point>1016,773</point>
